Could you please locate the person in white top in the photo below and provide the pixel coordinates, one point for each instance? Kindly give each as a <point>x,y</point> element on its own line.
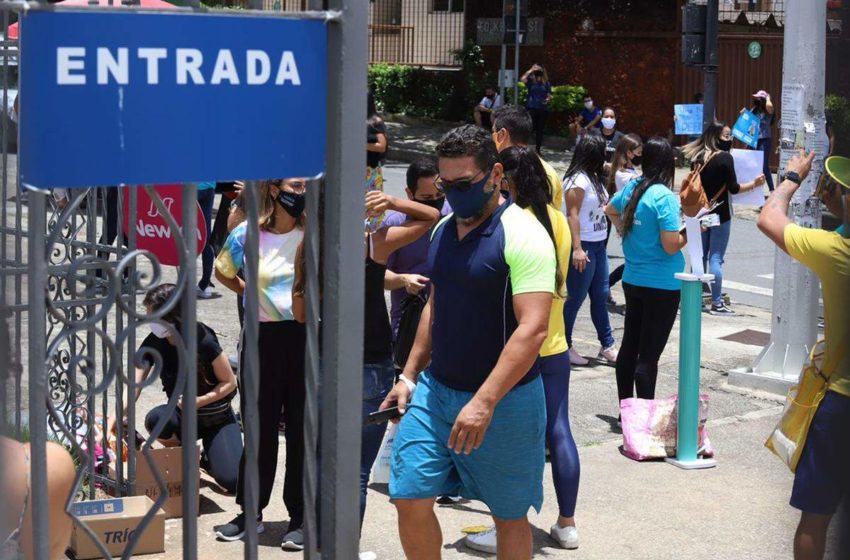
<point>585,198</point>
<point>484,110</point>
<point>624,168</point>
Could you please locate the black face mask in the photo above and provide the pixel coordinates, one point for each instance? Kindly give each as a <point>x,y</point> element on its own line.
<point>293,203</point>
<point>637,160</point>
<point>436,203</point>
<point>725,145</point>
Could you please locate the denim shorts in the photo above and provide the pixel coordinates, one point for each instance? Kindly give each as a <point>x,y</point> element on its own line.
<point>505,472</point>
<point>822,478</point>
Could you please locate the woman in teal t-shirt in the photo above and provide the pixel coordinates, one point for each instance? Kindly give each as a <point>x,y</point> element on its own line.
<point>647,214</point>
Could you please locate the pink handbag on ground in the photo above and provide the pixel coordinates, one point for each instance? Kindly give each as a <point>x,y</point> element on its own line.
<point>649,428</point>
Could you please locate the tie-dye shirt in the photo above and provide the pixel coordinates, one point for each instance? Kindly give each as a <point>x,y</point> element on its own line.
<point>277,268</point>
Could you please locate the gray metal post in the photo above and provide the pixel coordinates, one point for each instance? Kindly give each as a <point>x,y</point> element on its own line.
<point>517,10</point>
<point>38,374</point>
<point>343,282</point>
<point>189,433</point>
<point>711,62</point>
<point>249,369</point>
<point>502,68</point>
<point>795,287</point>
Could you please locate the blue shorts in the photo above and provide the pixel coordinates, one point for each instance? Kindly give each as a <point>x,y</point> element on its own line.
<point>823,473</point>
<point>505,472</point>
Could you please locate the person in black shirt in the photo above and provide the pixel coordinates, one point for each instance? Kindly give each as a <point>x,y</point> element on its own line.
<point>217,425</point>
<point>609,133</point>
<point>719,181</point>
<point>378,371</point>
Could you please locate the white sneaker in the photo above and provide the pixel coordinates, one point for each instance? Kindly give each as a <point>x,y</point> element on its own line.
<point>607,355</point>
<point>206,293</point>
<point>567,537</point>
<point>482,542</point>
<point>367,556</point>
<point>577,359</point>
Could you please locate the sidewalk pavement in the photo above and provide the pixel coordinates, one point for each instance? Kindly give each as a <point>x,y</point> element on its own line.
<point>626,510</point>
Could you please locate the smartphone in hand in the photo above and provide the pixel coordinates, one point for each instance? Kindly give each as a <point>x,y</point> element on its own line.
<point>381,416</point>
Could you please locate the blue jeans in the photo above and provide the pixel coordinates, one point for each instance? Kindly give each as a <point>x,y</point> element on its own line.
<point>206,199</point>
<point>378,380</point>
<point>593,281</point>
<point>714,243</point>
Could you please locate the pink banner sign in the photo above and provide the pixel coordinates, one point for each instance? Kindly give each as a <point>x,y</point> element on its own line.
<point>152,230</point>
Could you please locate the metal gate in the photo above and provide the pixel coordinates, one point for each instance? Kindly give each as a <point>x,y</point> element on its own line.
<point>70,280</point>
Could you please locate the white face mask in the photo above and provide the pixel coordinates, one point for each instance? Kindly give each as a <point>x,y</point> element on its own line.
<point>159,330</point>
<point>609,122</point>
<point>588,105</point>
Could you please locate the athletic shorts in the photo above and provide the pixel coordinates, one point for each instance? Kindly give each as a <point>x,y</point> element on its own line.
<point>505,472</point>
<point>823,473</point>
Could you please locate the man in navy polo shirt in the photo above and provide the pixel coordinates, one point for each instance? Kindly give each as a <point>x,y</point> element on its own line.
<point>474,423</point>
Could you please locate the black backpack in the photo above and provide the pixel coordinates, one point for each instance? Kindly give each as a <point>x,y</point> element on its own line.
<point>411,311</point>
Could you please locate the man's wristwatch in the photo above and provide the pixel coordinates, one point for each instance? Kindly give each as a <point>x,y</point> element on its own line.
<point>793,176</point>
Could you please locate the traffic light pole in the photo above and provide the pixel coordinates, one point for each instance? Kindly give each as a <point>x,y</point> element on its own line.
<point>795,287</point>
<point>711,63</point>
<point>517,11</point>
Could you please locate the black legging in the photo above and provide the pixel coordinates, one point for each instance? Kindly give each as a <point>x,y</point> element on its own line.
<point>650,314</point>
<point>281,349</point>
<point>222,444</point>
<point>617,274</point>
<point>538,120</point>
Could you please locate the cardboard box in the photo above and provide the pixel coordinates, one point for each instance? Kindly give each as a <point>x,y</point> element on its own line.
<point>169,462</point>
<point>114,523</point>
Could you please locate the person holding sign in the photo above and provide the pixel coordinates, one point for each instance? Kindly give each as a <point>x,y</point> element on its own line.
<point>711,150</point>
<point>763,109</point>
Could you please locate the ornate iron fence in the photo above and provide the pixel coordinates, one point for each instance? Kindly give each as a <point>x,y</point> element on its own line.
<point>70,279</point>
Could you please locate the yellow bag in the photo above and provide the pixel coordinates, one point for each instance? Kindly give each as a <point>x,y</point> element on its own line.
<point>789,437</point>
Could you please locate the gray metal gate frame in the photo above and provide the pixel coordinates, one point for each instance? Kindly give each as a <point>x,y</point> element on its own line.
<point>68,306</point>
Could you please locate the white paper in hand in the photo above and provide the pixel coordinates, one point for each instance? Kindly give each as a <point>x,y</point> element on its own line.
<point>748,166</point>
<point>694,230</point>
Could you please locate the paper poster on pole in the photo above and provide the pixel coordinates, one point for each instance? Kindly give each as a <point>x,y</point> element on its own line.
<point>792,106</point>
<point>688,119</point>
<point>748,165</point>
<point>747,128</point>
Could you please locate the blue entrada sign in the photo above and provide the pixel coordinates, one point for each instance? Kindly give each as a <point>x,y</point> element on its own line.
<point>110,97</point>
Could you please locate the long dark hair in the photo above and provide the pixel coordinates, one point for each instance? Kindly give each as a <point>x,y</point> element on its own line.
<point>628,143</point>
<point>659,166</point>
<point>589,158</point>
<point>530,188</point>
<point>372,116</point>
<point>157,297</point>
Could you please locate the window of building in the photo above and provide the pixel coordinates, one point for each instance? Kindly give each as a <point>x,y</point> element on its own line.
<point>452,6</point>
